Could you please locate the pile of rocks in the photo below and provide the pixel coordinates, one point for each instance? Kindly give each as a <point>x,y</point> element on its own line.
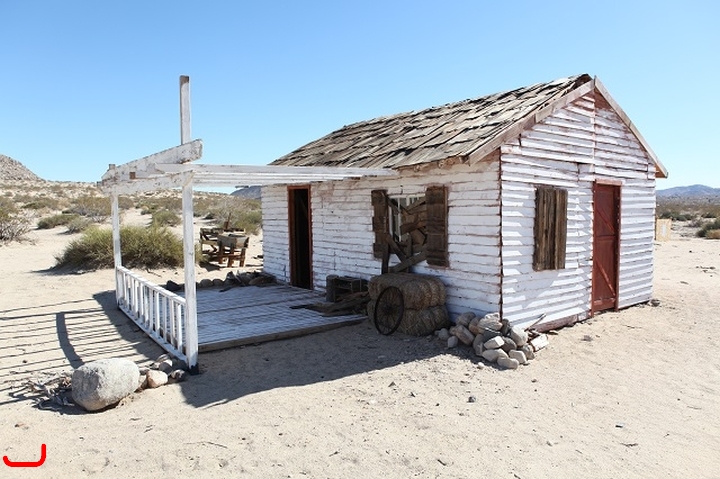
<point>163,371</point>
<point>103,383</point>
<point>254,278</point>
<point>494,339</point>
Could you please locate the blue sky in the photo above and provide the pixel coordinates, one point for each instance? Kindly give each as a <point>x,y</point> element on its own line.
<point>84,83</point>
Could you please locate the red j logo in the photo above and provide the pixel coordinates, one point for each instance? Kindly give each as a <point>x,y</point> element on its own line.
<point>43,454</point>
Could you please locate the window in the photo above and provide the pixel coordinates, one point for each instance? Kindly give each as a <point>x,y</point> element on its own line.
<point>550,228</point>
<point>412,225</point>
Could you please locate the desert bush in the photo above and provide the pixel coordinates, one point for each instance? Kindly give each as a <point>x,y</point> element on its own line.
<point>707,229</point>
<point>14,224</point>
<point>42,202</point>
<point>676,216</point>
<point>79,224</point>
<point>713,234</point>
<point>233,212</point>
<point>148,206</point>
<point>97,208</point>
<point>49,222</point>
<point>141,248</point>
<point>165,218</point>
<point>248,220</point>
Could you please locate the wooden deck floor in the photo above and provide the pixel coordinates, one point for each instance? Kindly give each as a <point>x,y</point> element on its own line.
<point>256,314</point>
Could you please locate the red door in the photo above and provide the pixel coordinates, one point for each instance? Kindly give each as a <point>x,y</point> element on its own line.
<point>606,247</point>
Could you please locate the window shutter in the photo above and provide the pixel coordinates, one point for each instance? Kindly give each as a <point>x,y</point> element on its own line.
<point>380,221</point>
<point>550,228</point>
<point>437,238</point>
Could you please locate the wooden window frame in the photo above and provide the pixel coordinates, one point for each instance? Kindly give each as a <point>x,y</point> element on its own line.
<point>550,229</point>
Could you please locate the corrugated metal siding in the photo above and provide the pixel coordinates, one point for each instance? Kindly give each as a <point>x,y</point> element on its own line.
<point>343,237</point>
<point>572,149</point>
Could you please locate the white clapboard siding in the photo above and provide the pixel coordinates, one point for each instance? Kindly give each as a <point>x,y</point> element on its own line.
<point>343,236</point>
<point>276,235</point>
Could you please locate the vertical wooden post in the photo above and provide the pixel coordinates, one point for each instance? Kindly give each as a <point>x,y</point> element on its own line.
<point>117,252</point>
<point>191,332</point>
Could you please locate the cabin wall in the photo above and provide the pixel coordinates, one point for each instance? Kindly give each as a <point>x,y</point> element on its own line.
<point>276,232</point>
<point>343,237</point>
<point>573,148</point>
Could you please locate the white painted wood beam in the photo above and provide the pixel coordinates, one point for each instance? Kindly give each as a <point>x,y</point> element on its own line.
<point>180,154</point>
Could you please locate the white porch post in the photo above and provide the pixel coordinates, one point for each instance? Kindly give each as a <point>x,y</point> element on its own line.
<point>117,252</point>
<point>191,332</point>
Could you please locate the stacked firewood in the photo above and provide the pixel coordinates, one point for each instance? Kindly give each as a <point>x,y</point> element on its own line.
<point>494,339</point>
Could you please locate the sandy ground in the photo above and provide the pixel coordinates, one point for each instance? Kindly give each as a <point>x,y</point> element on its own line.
<point>634,393</point>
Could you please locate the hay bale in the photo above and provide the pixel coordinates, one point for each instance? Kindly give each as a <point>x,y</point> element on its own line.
<point>419,291</point>
<point>420,322</point>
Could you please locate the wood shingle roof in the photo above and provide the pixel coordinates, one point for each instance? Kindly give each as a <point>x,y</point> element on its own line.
<point>455,130</point>
<point>437,133</point>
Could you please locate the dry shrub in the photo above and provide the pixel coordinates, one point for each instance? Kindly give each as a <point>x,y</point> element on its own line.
<point>14,223</point>
<point>141,248</point>
<point>713,234</point>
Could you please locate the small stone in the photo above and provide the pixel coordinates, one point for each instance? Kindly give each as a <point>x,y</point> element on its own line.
<point>218,282</point>
<point>587,338</point>
<point>655,302</point>
<point>473,326</point>
<point>489,334</point>
<point>505,329</point>
<point>478,349</point>
<point>509,344</point>
<point>528,352</point>
<point>142,383</point>
<point>519,356</point>
<point>508,363</point>
<point>443,334</point>
<point>206,283</point>
<point>519,335</point>
<point>494,343</point>
<point>472,399</point>
<point>493,355</point>
<point>452,342</point>
<point>492,316</point>
<point>477,340</point>
<point>489,324</point>
<point>464,335</point>
<point>465,318</point>
<point>178,376</point>
<point>165,366</point>
<point>155,379</point>
<point>172,286</point>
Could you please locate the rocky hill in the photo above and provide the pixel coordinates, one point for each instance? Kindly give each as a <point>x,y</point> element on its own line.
<point>12,170</point>
<point>689,192</point>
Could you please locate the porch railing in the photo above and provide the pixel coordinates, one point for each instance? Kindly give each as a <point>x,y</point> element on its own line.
<point>158,312</point>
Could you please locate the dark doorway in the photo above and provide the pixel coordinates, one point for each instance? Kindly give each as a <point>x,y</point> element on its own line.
<point>300,222</point>
<point>606,247</point>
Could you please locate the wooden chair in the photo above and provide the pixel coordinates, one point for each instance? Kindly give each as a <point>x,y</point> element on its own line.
<point>208,236</point>
<point>231,248</point>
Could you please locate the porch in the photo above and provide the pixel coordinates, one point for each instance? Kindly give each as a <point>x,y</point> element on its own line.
<point>255,314</point>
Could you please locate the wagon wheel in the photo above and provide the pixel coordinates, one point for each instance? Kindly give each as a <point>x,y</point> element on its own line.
<point>389,310</point>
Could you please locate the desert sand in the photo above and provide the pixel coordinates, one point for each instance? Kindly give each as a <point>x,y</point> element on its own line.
<point>634,393</point>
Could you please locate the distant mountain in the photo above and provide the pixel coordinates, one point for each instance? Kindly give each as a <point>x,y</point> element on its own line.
<point>14,170</point>
<point>692,191</point>
<point>250,193</point>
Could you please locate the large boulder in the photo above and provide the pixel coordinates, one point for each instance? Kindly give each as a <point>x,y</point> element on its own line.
<point>103,383</point>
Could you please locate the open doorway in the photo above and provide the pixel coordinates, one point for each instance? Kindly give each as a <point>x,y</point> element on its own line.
<point>300,223</point>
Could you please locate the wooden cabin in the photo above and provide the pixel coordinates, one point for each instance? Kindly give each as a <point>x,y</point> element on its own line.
<point>538,203</point>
